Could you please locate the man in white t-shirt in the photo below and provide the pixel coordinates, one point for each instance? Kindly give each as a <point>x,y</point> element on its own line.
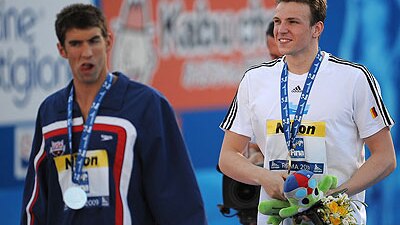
<point>335,107</point>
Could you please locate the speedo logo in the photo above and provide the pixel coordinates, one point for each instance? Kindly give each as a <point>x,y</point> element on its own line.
<point>307,128</point>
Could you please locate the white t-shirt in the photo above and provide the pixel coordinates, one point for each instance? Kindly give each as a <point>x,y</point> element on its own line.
<point>344,106</point>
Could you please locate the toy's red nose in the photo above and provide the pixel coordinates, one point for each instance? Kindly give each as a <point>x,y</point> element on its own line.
<point>309,190</point>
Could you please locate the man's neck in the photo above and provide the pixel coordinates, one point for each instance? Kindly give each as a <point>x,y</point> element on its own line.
<point>85,100</point>
<point>85,95</point>
<point>301,63</point>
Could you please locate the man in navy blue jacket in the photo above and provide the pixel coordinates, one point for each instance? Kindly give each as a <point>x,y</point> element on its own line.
<point>106,150</point>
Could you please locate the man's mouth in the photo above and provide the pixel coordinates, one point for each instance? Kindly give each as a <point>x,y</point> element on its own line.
<point>284,40</point>
<point>87,66</point>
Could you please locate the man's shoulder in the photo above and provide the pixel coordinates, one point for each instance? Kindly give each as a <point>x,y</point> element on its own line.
<point>57,97</point>
<point>260,71</point>
<point>269,65</point>
<point>53,106</point>
<point>341,63</point>
<point>135,88</point>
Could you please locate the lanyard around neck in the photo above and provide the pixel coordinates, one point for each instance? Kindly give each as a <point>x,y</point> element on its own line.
<point>87,129</point>
<point>291,132</point>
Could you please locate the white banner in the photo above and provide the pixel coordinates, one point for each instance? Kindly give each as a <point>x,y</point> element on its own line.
<point>30,69</point>
<point>30,66</point>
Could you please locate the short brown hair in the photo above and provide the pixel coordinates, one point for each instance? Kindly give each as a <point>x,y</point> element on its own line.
<point>317,8</point>
<point>81,16</point>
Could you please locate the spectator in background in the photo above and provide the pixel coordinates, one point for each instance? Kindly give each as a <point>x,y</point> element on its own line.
<point>272,47</point>
<point>106,150</point>
<point>253,152</point>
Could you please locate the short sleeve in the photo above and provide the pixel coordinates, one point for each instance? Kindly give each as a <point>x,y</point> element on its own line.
<point>237,118</point>
<point>370,112</point>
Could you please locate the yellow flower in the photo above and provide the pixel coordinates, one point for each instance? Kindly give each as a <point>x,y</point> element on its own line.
<point>342,211</point>
<point>337,210</point>
<point>333,206</point>
<point>334,220</point>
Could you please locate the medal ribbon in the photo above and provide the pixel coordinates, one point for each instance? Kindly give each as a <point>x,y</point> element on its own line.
<point>87,128</point>
<point>291,132</point>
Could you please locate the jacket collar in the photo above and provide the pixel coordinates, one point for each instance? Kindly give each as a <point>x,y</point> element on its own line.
<point>113,99</point>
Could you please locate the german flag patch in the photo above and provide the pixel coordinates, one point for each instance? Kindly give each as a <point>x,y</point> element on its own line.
<point>373,112</point>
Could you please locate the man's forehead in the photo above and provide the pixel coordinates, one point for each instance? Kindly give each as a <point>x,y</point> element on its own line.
<point>82,34</point>
<point>292,10</point>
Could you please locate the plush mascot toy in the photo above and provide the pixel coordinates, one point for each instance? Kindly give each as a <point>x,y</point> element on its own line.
<point>302,191</point>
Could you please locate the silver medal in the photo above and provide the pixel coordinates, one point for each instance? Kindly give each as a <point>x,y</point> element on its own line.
<point>75,198</point>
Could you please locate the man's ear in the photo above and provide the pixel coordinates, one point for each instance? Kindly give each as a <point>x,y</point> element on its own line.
<point>318,28</point>
<point>61,50</point>
<point>109,42</point>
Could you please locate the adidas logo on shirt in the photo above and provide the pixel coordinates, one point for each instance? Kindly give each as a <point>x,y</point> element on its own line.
<point>297,89</point>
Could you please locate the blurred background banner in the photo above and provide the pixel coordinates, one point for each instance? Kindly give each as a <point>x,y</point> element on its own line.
<point>30,70</point>
<point>195,53</point>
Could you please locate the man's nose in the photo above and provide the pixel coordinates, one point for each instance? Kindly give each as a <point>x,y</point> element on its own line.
<point>282,28</point>
<point>87,50</point>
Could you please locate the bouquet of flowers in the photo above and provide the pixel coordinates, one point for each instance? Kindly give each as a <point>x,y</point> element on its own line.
<point>335,209</point>
<point>306,200</point>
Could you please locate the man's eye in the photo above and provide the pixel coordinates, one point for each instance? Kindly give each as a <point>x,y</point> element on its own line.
<point>74,43</point>
<point>95,41</point>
